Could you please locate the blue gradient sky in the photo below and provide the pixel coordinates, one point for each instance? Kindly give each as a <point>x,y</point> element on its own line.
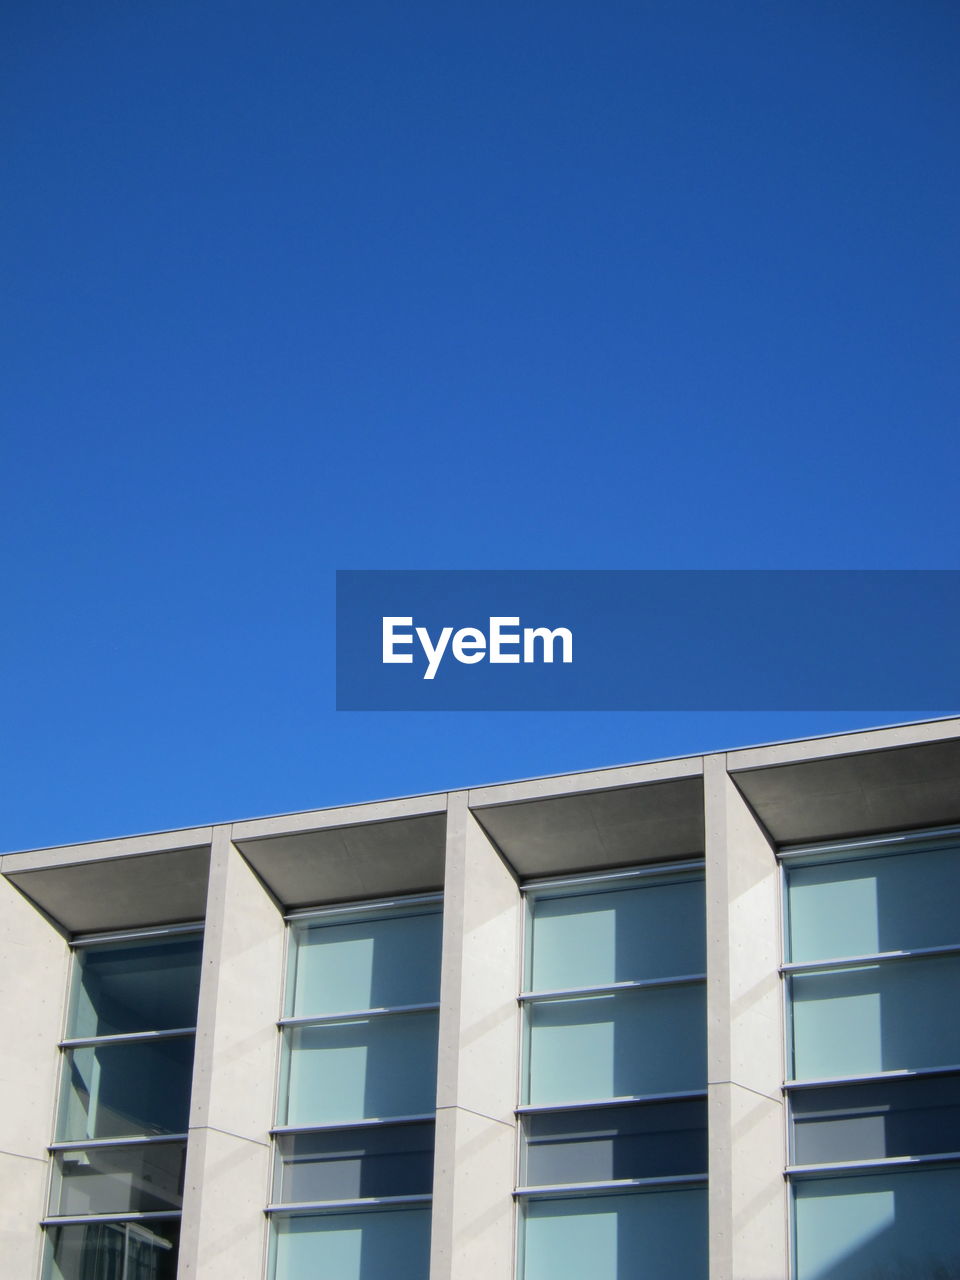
<point>298,286</point>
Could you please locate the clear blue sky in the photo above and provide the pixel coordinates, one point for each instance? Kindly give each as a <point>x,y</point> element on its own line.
<point>293,286</point>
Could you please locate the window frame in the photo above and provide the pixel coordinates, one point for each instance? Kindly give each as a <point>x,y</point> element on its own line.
<point>676,871</point>
<point>841,853</point>
<point>67,1043</point>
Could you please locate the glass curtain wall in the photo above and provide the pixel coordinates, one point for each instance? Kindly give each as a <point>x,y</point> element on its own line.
<point>613,1158</point>
<point>872,974</point>
<point>120,1143</point>
<point>357,1097</point>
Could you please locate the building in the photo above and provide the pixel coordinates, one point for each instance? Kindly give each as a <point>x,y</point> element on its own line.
<point>689,1019</point>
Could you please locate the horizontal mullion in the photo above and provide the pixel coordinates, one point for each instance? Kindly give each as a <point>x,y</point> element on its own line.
<point>619,1184</point>
<point>875,957</point>
<point>536,1109</point>
<point>84,1144</point>
<point>363,908</point>
<point>878,1077</point>
<point>871,1166</point>
<point>126,1037</point>
<point>300,1207</point>
<point>135,935</point>
<point>657,871</point>
<point>893,842</point>
<point>357,1015</point>
<point>63,1220</point>
<point>610,988</point>
<point>282,1130</point>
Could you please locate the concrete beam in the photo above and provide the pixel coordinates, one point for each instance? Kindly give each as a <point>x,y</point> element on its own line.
<point>34,974</point>
<point>473,1213</point>
<point>890,789</point>
<point>748,1217</point>
<point>352,862</point>
<point>593,830</point>
<point>229,1154</point>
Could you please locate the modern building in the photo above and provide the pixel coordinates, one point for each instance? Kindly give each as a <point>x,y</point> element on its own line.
<point>694,1019</point>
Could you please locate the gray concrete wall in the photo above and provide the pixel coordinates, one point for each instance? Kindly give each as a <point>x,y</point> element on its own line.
<point>473,1222</point>
<point>228,1160</point>
<point>748,1213</point>
<point>34,971</point>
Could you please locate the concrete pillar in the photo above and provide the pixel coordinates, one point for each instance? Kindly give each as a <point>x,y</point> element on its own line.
<point>34,971</point>
<point>748,1211</point>
<point>228,1162</point>
<point>473,1213</point>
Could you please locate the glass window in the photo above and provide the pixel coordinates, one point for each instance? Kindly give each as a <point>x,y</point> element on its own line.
<point>650,1040</point>
<point>650,1236</point>
<point>893,902</point>
<point>136,986</point>
<point>888,1014</point>
<point>130,1083</point>
<point>361,1070</point>
<point>595,939</point>
<point>341,1071</point>
<point>120,1090</point>
<point>142,1179</point>
<point>366,964</point>
<point>879,1017</point>
<point>603,1144</point>
<point>879,1225</point>
<point>113,1251</point>
<point>919,1116</point>
<point>366,1245</point>
<point>353,1164</point>
<point>639,942</point>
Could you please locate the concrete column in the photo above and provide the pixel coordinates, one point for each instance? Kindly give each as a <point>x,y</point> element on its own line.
<point>228,1162</point>
<point>34,970</point>
<point>473,1213</point>
<point>748,1209</point>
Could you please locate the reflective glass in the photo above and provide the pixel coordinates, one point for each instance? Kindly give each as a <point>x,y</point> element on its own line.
<point>121,1090</point>
<point>369,1245</point>
<point>361,1070</point>
<point>879,1226</point>
<point>367,964</point>
<point>136,986</point>
<point>894,902</point>
<point>143,1179</point>
<point>593,939</point>
<point>879,1017</point>
<point>350,1164</point>
<point>916,1117</point>
<point>651,1040</point>
<point>652,1236</point>
<point>648,1140</point>
<point>113,1251</point>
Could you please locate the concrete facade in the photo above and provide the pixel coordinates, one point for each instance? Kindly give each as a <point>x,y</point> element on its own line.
<point>733,811</point>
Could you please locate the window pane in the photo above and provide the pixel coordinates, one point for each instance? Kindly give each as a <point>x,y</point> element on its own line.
<point>654,1236</point>
<point>879,1225</point>
<point>136,986</point>
<point>870,1121</point>
<point>362,1069</point>
<point>389,1160</point>
<point>617,1045</point>
<point>118,1090</point>
<point>354,1246</point>
<point>96,1251</point>
<point>877,1017</point>
<point>890,903</point>
<point>367,964</point>
<point>653,1140</point>
<point>146,1179</point>
<point>653,931</point>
